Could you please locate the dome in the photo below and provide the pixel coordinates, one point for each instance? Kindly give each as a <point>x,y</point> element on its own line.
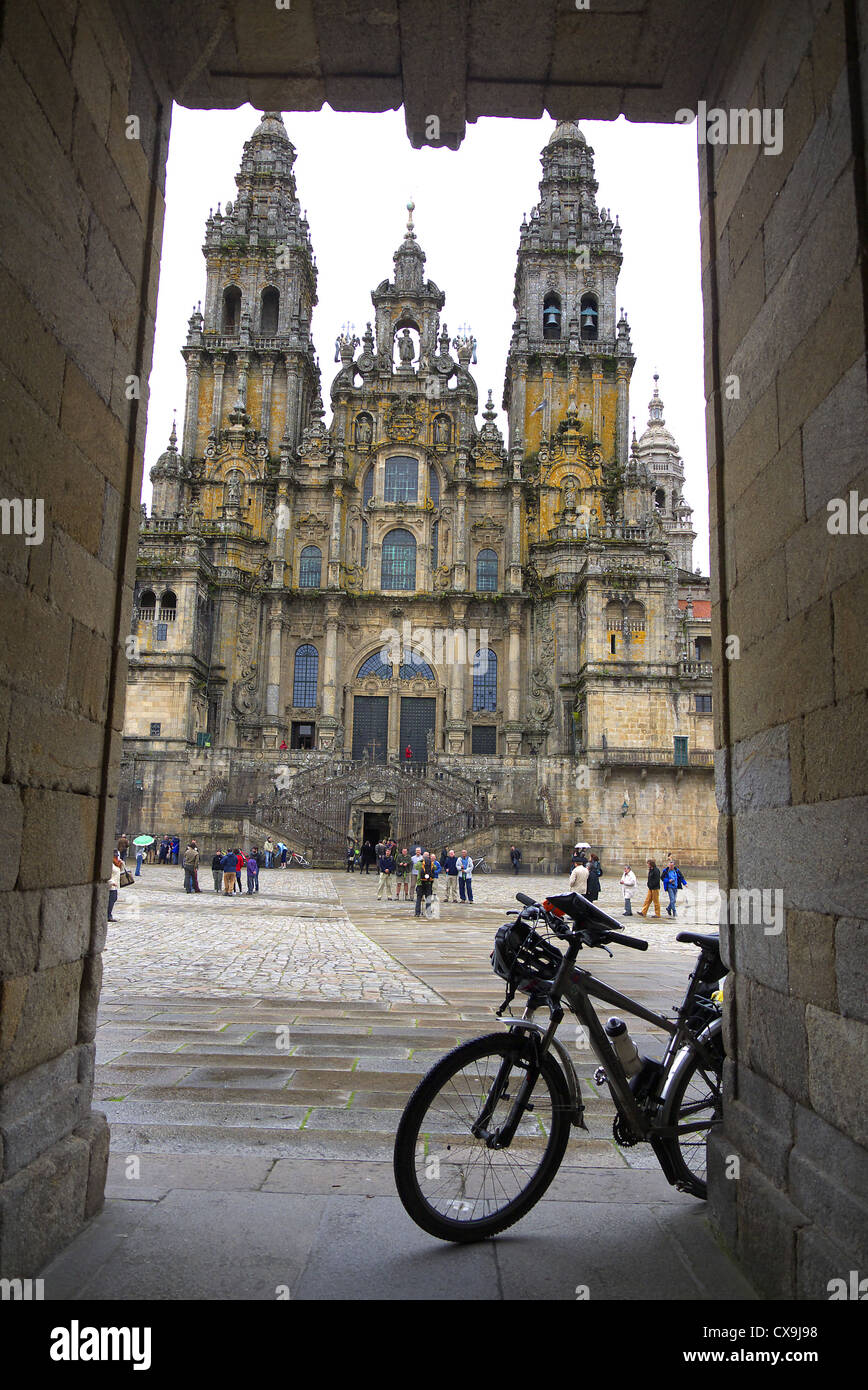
<point>567,130</point>
<point>271,124</point>
<point>656,435</point>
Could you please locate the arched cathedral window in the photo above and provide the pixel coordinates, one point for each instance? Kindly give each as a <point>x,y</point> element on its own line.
<point>269,313</point>
<point>590,318</point>
<point>485,679</point>
<point>310,567</point>
<point>231,320</point>
<point>402,480</point>
<point>415,667</point>
<point>552,316</point>
<point>375,666</point>
<point>398,569</point>
<point>305,677</point>
<point>168,607</point>
<point>486,570</point>
<point>368,487</point>
<point>434,487</point>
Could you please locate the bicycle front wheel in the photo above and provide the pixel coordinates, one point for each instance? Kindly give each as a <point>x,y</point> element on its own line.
<point>450,1182</point>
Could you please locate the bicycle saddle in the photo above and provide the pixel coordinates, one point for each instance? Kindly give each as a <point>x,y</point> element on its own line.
<point>709,942</point>
<point>585,912</point>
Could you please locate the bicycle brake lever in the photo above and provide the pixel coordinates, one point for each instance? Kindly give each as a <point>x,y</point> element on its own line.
<point>600,947</point>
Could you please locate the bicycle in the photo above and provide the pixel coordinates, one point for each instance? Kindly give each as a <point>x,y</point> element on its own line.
<point>295,858</point>
<point>485,1131</point>
<point>481,865</point>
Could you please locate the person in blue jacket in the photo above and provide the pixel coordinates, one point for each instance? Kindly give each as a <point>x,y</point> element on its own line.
<point>673,879</point>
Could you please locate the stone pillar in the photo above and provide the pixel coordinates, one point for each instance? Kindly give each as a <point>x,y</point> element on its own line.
<point>456,676</point>
<point>512,726</point>
<point>621,422</point>
<point>217,402</point>
<point>597,377</point>
<point>272,689</point>
<point>329,720</point>
<point>459,545</point>
<point>334,556</point>
<point>191,406</point>
<point>513,574</point>
<point>290,419</point>
<point>267,377</point>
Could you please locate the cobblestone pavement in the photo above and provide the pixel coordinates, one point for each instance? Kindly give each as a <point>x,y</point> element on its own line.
<point>293,938</point>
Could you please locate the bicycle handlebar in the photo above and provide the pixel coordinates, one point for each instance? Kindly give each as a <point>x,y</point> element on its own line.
<point>634,942</point>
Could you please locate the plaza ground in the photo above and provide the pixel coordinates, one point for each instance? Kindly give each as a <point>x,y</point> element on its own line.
<point>253,1058</point>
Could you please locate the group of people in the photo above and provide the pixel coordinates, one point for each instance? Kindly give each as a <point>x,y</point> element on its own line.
<point>420,868</point>
<point>587,872</point>
<point>227,870</point>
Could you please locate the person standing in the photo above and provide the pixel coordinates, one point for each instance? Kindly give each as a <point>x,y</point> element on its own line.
<point>628,883</point>
<point>351,858</point>
<point>252,872</point>
<point>595,873</point>
<point>579,856</point>
<point>284,854</point>
<point>230,861</point>
<point>123,846</point>
<point>268,846</point>
<point>239,865</point>
<point>579,879</point>
<point>515,857</point>
<point>653,895</point>
<point>140,854</point>
<point>164,850</point>
<point>176,849</point>
<point>408,754</point>
<point>386,867</point>
<point>114,882</point>
<point>367,856</point>
<point>465,877</point>
<point>217,870</point>
<point>191,863</point>
<point>196,888</point>
<point>424,884</point>
<point>402,875</point>
<point>450,868</point>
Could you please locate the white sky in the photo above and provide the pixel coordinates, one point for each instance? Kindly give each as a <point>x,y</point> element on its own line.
<point>355,174</point>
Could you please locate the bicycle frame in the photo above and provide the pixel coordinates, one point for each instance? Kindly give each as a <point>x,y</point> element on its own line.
<point>577,987</point>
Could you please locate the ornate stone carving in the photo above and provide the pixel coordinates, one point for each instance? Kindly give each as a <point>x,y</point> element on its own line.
<point>403,421</point>
<point>245,698</point>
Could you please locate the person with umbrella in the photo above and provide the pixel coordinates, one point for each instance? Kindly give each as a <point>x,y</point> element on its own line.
<point>141,843</point>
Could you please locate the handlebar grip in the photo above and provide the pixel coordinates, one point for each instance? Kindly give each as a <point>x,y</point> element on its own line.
<point>634,942</point>
<point>523,898</point>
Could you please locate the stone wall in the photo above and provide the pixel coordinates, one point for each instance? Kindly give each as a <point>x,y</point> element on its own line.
<point>783,278</point>
<point>80,228</point>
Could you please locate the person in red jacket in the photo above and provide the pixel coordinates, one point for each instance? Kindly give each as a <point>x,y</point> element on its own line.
<point>408,753</point>
<point>239,865</point>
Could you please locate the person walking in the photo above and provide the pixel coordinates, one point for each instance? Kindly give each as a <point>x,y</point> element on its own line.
<point>402,875</point>
<point>595,873</point>
<point>229,861</point>
<point>424,884</point>
<point>465,877</point>
<point>252,872</point>
<point>672,879</point>
<point>114,882</point>
<point>351,858</point>
<point>140,854</point>
<point>268,846</point>
<point>450,868</point>
<point>579,879</point>
<point>386,868</point>
<point>515,858</point>
<point>239,865</point>
<point>628,883</point>
<point>191,863</point>
<point>217,870</point>
<point>176,849</point>
<point>653,895</point>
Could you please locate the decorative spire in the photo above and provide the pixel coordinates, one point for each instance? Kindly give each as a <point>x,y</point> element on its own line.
<point>173,437</point>
<point>655,405</point>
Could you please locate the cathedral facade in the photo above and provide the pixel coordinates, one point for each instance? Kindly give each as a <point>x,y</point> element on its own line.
<point>394,617</point>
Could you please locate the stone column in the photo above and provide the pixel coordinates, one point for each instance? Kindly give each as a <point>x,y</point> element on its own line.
<point>621,431</point>
<point>267,375</point>
<point>334,560</point>
<point>291,406</point>
<point>459,568</point>
<point>597,377</point>
<point>329,720</point>
<point>513,574</point>
<point>459,659</point>
<point>512,726</point>
<point>191,406</point>
<point>272,689</point>
<point>217,402</point>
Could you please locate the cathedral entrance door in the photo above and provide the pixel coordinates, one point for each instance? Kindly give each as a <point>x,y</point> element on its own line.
<point>377,826</point>
<point>418,716</point>
<point>370,727</point>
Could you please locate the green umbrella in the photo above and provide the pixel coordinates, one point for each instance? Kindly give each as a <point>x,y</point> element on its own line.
<point>143,840</point>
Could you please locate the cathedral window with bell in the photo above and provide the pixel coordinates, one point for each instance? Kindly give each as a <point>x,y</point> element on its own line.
<point>552,316</point>
<point>589,315</point>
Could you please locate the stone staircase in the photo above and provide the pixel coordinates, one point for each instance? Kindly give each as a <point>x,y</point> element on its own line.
<point>270,1078</point>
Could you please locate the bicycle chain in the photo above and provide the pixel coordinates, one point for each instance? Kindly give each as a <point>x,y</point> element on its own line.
<point>624,1134</point>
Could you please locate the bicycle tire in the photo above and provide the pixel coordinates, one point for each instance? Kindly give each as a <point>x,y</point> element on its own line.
<point>418,1203</point>
<point>688,1151</point>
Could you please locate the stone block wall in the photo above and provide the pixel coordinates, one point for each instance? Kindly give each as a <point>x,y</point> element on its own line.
<point>80,227</point>
<point>783,277</point>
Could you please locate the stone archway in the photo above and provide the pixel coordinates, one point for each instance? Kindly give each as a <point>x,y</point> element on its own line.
<point>785,328</point>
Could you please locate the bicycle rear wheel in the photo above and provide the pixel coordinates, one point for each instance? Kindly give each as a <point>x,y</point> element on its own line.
<point>696,1099</point>
<point>451,1184</point>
